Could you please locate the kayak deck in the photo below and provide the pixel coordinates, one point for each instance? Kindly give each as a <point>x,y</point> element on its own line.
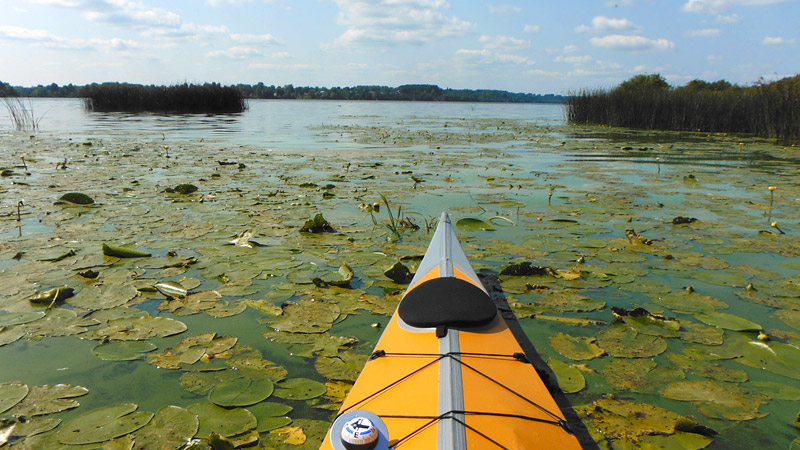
<point>443,378</point>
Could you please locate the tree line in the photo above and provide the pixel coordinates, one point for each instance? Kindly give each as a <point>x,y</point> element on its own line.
<point>409,92</point>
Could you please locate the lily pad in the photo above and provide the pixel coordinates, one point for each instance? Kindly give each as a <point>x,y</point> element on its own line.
<point>171,289</point>
<point>576,348</point>
<point>307,316</point>
<point>473,224</point>
<point>715,400</point>
<point>778,390</point>
<point>691,302</point>
<point>776,357</point>
<point>104,424</point>
<point>645,322</point>
<point>123,350</point>
<point>317,224</point>
<point>567,301</point>
<point>7,320</point>
<point>137,328</point>
<point>621,421</point>
<point>225,422</point>
<point>788,316</point>
<point>52,296</point>
<point>727,321</point>
<point>270,415</point>
<point>11,393</point>
<point>640,375</point>
<point>48,399</point>
<point>171,428</point>
<point>241,392</point>
<point>399,273</point>
<point>701,334</point>
<point>707,369</point>
<point>76,198</point>
<point>570,379</point>
<point>346,366</point>
<point>192,349</point>
<point>299,389</point>
<point>621,341</point>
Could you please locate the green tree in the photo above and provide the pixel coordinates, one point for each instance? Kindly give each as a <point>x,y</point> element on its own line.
<point>653,83</point>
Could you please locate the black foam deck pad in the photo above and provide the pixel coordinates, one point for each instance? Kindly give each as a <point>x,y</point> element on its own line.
<point>447,302</point>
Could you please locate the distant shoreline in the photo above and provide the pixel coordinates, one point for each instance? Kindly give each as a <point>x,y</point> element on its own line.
<point>409,92</point>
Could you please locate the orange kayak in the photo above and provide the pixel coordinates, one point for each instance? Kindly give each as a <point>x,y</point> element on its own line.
<point>450,373</point>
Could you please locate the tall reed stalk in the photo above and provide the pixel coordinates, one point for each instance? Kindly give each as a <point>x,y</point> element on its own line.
<point>21,115</point>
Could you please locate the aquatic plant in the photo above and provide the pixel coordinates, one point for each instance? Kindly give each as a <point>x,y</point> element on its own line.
<point>185,98</point>
<point>22,115</point>
<point>768,109</point>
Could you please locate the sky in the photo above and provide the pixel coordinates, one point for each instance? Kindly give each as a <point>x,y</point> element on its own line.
<point>516,45</point>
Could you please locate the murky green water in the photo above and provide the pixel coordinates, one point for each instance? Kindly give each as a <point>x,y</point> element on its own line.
<point>553,194</point>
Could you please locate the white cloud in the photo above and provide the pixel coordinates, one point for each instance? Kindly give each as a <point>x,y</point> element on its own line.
<point>576,60</point>
<point>281,55</point>
<point>718,6</point>
<point>235,53</point>
<point>632,43</point>
<point>602,23</point>
<point>255,38</point>
<point>506,42</point>
<point>531,29</point>
<point>270,66</point>
<point>706,32</point>
<point>570,48</point>
<point>486,56</point>
<point>504,9</point>
<point>46,39</point>
<point>227,2</point>
<point>729,18</point>
<point>392,22</point>
<point>777,40</point>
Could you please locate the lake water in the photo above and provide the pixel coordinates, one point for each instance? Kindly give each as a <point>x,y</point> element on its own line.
<point>280,124</point>
<point>594,205</point>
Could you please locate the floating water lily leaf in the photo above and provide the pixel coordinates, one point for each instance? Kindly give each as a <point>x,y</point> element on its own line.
<point>788,316</point>
<point>722,279</point>
<point>337,390</point>
<point>621,421</point>
<point>707,369</point>
<point>246,359</point>
<point>576,348</point>
<point>692,302</point>
<point>171,428</point>
<point>715,400</point>
<point>7,320</point>
<point>621,341</point>
<point>123,252</point>
<point>345,366</point>
<point>776,357</point>
<point>564,301</point>
<point>11,393</point>
<point>137,328</point>
<point>645,322</point>
<point>727,321</point>
<point>34,426</point>
<point>241,392</point>
<point>399,273</point>
<point>299,389</point>
<point>103,296</point>
<point>701,334</point>
<point>270,415</point>
<point>192,349</point>
<point>104,424</point>
<point>266,424</point>
<point>320,344</point>
<point>472,224</point>
<point>48,399</point>
<point>190,304</point>
<point>76,198</point>
<point>225,422</point>
<point>307,316</point>
<point>778,390</point>
<point>640,375</point>
<point>318,224</point>
<point>677,441</point>
<point>225,308</point>
<point>9,335</point>
<point>290,435</point>
<point>123,350</point>
<point>570,379</point>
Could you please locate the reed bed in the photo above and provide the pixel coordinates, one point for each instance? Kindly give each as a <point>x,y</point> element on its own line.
<point>22,115</point>
<point>647,102</point>
<point>185,98</point>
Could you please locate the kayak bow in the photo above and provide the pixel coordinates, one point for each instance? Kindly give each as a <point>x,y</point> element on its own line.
<point>448,372</point>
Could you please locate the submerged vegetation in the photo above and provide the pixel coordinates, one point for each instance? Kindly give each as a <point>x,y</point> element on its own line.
<point>184,98</point>
<point>767,109</point>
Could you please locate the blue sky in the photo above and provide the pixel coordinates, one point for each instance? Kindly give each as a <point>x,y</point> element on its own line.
<point>521,46</point>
